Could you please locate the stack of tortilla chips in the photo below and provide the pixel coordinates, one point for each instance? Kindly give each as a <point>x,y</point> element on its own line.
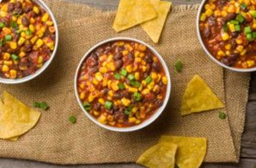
<point>186,152</point>
<point>150,14</point>
<point>15,118</point>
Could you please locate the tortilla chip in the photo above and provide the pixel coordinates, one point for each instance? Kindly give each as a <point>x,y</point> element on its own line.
<point>159,156</point>
<point>133,12</point>
<point>191,151</point>
<point>17,118</point>
<point>199,97</point>
<point>154,27</point>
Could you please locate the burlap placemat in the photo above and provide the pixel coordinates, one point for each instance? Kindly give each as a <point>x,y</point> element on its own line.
<point>55,140</point>
<point>239,81</point>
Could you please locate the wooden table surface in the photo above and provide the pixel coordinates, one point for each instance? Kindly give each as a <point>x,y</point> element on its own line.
<point>248,152</point>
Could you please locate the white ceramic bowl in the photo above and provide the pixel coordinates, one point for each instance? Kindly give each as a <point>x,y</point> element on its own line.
<point>206,50</point>
<point>149,120</point>
<point>48,62</point>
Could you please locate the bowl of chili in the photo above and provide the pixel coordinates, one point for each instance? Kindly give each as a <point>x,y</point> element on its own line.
<point>227,33</point>
<point>28,40</point>
<point>122,84</point>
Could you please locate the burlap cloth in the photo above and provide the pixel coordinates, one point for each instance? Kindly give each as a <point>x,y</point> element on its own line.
<point>56,140</point>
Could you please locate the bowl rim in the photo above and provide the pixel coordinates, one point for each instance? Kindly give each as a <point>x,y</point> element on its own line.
<point>206,50</point>
<point>147,121</point>
<point>48,62</point>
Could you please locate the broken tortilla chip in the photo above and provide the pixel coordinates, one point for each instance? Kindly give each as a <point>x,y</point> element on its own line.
<point>199,97</point>
<point>133,12</point>
<point>191,151</point>
<point>154,27</point>
<point>159,156</point>
<point>17,118</point>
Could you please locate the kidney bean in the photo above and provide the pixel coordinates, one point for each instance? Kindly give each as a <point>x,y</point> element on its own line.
<point>93,69</point>
<point>28,47</point>
<point>130,57</point>
<point>94,56</point>
<point>104,91</point>
<point>234,34</point>
<point>18,5</point>
<point>25,21</point>
<point>212,21</point>
<point>27,9</point>
<point>149,58</point>
<point>207,32</point>
<point>119,64</point>
<point>118,56</point>
<point>91,61</point>
<point>230,16</point>
<point>11,7</point>
<point>156,67</point>
<point>233,43</point>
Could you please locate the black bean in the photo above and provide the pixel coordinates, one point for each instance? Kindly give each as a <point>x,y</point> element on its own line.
<point>104,91</point>
<point>207,32</point>
<point>18,5</point>
<point>25,21</point>
<point>27,9</point>
<point>212,21</point>
<point>234,34</point>
<point>234,56</point>
<point>149,58</point>
<point>156,67</point>
<point>97,106</point>
<point>118,56</point>
<point>130,57</point>
<point>226,61</point>
<point>119,64</point>
<point>11,7</point>
<point>230,16</point>
<point>93,69</point>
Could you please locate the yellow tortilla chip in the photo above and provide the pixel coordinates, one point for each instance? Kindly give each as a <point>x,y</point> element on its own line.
<point>191,151</point>
<point>159,156</point>
<point>1,115</point>
<point>133,12</point>
<point>199,97</point>
<point>17,118</point>
<point>154,27</point>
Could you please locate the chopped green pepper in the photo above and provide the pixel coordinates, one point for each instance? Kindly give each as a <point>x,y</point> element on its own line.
<point>254,34</point>
<point>2,25</point>
<point>135,84</point>
<point>1,42</point>
<point>178,66</point>
<point>121,86</point>
<point>131,77</point>
<point>128,110</point>
<point>225,28</point>
<point>44,106</point>
<point>243,6</point>
<point>8,37</point>
<point>14,57</point>
<point>234,22</point>
<point>36,104</point>
<point>240,18</point>
<point>117,76</point>
<point>87,106</point>
<point>237,28</point>
<point>137,96</point>
<point>222,115</point>
<point>249,37</point>
<point>13,24</point>
<point>123,72</point>
<point>148,80</point>
<point>28,32</point>
<point>72,119</point>
<point>247,30</point>
<point>108,105</point>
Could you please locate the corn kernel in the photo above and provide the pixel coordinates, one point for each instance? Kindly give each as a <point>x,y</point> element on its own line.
<point>208,12</point>
<point>103,70</point>
<point>144,68</point>
<point>145,91</point>
<point>7,62</point>
<point>45,17</point>
<point>137,53</point>
<point>164,80</point>
<point>39,43</point>
<point>125,52</point>
<point>132,89</point>
<point>142,55</point>
<point>13,45</point>
<point>137,122</point>
<point>91,98</point>
<point>102,119</point>
<point>126,102</point>
<point>7,56</point>
<point>33,40</point>
<point>111,93</point>
<point>6,30</point>
<point>95,82</point>
<point>36,9</point>
<point>96,113</point>
<point>99,76</point>
<point>132,120</point>
<point>221,53</point>
<point>224,13</point>
<point>203,17</point>
<point>243,52</point>
<point>5,68</point>
<point>228,47</point>
<point>142,47</point>
<point>32,28</point>
<point>101,101</point>
<point>114,86</point>
<point>240,48</point>
<point>225,36</point>
<point>49,23</point>
<point>239,41</point>
<point>250,63</point>
<point>120,44</point>
<point>153,75</point>
<point>129,68</point>
<point>13,74</point>
<point>82,95</point>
